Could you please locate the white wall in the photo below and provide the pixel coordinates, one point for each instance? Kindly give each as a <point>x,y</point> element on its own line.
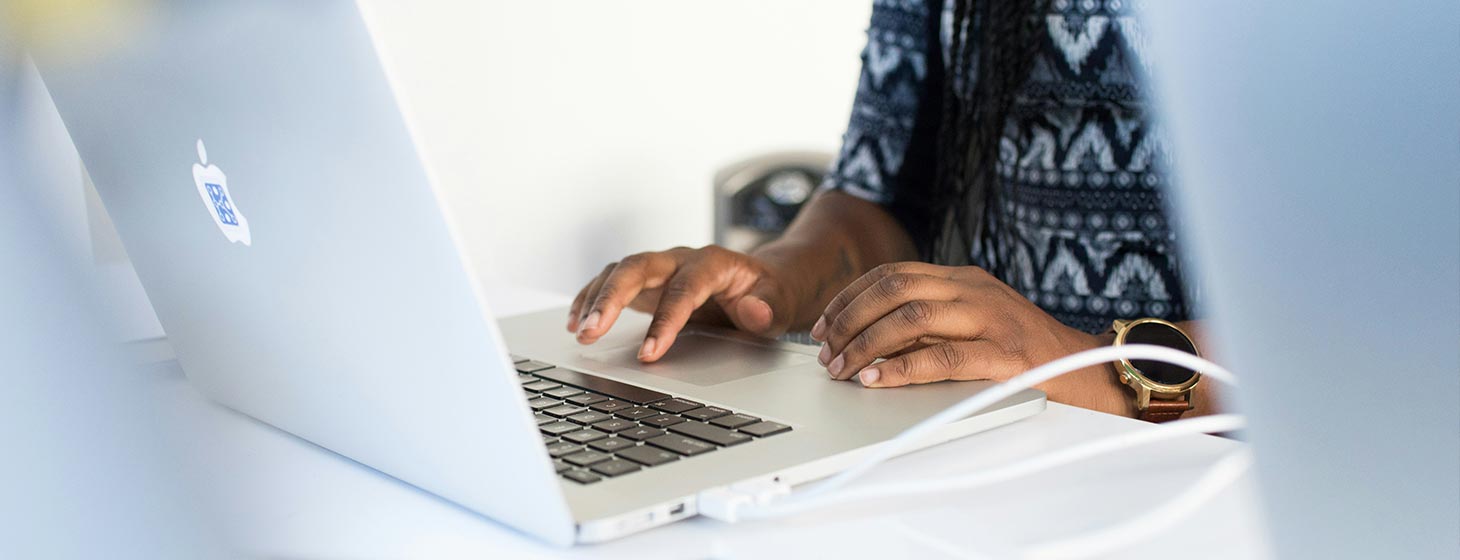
<point>564,134</point>
<point>567,134</point>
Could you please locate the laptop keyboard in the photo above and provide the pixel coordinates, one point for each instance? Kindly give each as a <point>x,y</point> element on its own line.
<point>596,428</point>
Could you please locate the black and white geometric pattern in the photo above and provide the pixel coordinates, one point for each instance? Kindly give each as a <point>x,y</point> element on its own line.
<point>1078,214</point>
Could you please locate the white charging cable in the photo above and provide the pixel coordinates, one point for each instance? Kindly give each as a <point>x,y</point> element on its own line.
<point>992,475</point>
<point>764,500</point>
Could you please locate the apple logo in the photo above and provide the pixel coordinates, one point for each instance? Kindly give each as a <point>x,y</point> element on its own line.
<point>213,188</point>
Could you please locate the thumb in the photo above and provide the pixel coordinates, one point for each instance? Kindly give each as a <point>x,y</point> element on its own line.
<point>763,311</point>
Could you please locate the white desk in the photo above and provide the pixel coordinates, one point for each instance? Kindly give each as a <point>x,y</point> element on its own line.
<point>276,495</point>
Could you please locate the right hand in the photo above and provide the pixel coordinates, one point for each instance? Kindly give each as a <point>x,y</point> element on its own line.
<point>710,285</point>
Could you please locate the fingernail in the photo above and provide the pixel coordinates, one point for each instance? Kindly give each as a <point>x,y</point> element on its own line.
<point>824,356</point>
<point>836,365</point>
<point>648,348</point>
<point>590,323</point>
<point>819,329</point>
<point>870,376</point>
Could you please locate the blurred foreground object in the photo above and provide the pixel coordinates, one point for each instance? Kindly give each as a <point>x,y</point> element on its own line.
<point>88,472</point>
<point>1320,184</point>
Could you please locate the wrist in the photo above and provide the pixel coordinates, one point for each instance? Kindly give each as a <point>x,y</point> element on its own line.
<point>1096,387</point>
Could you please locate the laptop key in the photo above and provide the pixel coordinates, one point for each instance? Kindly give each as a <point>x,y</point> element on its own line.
<point>766,428</point>
<point>611,405</point>
<point>559,428</point>
<point>712,434</point>
<point>734,421</point>
<point>612,444</point>
<point>560,466</point>
<point>649,456</point>
<point>516,359</point>
<point>584,436</point>
<point>705,413</point>
<point>676,405</point>
<point>682,445</point>
<point>562,448</point>
<point>525,378</point>
<point>529,366</point>
<point>641,433</point>
<point>586,399</point>
<point>563,392</point>
<point>589,417</point>
<point>543,418</point>
<point>581,476</point>
<point>615,467</point>
<point>615,389</point>
<point>637,413</point>
<point>540,403</point>
<point>586,457</point>
<point>662,420</point>
<point>548,440</point>
<point>563,411</point>
<point>541,385</point>
<point>614,425</point>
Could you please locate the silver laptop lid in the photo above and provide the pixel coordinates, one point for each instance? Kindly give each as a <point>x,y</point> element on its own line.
<point>268,192</point>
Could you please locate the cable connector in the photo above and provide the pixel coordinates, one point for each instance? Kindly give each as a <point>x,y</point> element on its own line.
<point>729,503</point>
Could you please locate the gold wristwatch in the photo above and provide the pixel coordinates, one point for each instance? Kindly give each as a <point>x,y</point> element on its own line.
<point>1162,390</point>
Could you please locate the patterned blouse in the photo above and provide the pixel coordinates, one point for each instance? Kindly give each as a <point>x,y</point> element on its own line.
<point>1078,211</point>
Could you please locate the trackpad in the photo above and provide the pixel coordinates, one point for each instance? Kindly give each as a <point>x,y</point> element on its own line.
<point>705,359</point>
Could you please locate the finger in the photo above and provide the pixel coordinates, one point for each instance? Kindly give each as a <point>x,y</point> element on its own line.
<point>849,293</point>
<point>632,275</point>
<point>580,308</point>
<point>575,311</point>
<point>754,310</point>
<point>917,323</point>
<point>967,360</point>
<point>747,297</point>
<point>689,289</point>
<point>881,298</point>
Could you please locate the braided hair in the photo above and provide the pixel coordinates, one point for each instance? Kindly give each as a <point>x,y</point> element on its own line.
<point>990,52</point>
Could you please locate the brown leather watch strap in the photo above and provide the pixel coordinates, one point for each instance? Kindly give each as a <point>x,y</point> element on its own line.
<point>1165,411</point>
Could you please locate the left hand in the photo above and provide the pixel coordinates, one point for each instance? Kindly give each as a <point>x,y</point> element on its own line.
<point>936,323</point>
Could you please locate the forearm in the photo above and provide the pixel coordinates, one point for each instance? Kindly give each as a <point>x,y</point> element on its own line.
<point>834,240</point>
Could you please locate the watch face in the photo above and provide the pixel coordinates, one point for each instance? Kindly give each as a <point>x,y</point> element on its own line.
<point>1161,335</point>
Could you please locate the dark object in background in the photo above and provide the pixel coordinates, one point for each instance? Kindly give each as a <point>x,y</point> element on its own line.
<point>755,199</point>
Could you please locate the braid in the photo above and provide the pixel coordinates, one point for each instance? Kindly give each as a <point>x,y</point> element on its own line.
<point>989,56</point>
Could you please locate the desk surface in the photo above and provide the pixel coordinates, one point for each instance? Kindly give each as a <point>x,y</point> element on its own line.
<point>279,496</point>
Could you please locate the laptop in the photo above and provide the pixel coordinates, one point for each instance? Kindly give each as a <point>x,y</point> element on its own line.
<point>268,191</point>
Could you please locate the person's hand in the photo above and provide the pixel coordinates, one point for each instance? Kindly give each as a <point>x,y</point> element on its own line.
<point>711,285</point>
<point>936,323</point>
